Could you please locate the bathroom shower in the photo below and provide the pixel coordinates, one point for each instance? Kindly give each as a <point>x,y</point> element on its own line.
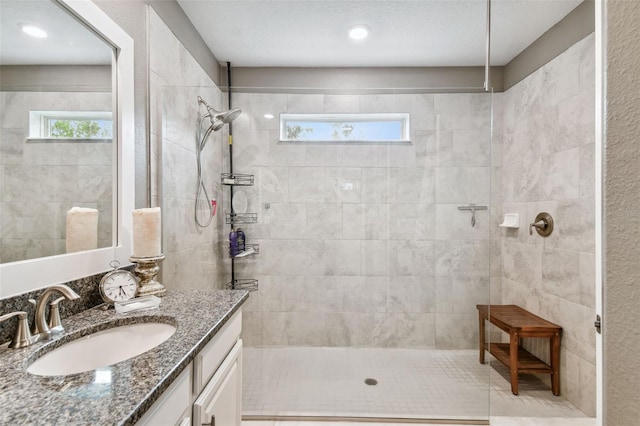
<point>218,119</point>
<point>204,209</point>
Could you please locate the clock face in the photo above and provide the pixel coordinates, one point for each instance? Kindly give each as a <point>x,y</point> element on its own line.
<point>118,286</point>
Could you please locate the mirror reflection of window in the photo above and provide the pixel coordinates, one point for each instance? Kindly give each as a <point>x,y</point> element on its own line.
<point>57,138</point>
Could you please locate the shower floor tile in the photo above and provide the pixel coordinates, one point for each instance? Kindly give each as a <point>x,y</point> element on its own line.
<point>411,383</point>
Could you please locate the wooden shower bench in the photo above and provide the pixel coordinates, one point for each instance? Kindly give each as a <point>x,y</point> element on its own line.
<point>520,323</point>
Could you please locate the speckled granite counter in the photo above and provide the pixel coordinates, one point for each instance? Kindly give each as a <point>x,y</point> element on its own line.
<point>134,384</point>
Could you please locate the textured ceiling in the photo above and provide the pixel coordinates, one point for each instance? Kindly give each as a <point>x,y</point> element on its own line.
<point>313,33</point>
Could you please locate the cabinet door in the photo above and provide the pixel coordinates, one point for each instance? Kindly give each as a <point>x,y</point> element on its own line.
<point>172,404</point>
<point>214,353</point>
<point>220,403</point>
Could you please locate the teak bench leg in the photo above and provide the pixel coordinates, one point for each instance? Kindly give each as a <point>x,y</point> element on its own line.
<point>481,339</point>
<point>513,361</point>
<point>555,364</point>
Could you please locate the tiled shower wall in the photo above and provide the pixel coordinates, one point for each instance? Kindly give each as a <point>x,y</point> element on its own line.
<point>362,244</point>
<point>176,80</point>
<point>548,162</point>
<point>49,177</point>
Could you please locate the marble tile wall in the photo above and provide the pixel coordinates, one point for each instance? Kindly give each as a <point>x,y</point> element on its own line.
<point>42,180</point>
<point>548,165</point>
<point>193,259</point>
<point>362,245</point>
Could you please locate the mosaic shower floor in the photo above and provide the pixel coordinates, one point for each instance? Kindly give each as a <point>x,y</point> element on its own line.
<point>411,383</point>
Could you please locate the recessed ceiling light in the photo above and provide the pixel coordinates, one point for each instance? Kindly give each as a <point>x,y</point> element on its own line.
<point>34,31</point>
<point>359,32</point>
<point>268,116</point>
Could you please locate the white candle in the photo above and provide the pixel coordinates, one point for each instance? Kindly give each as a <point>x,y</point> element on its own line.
<point>82,229</point>
<point>147,232</point>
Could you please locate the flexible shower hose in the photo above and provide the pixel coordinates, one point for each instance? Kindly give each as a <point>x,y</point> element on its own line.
<point>202,197</point>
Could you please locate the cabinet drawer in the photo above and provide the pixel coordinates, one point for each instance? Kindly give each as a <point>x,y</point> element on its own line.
<point>171,405</point>
<point>210,358</point>
<point>220,403</point>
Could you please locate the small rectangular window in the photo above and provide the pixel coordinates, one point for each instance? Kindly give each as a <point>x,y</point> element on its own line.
<point>82,125</point>
<point>387,127</point>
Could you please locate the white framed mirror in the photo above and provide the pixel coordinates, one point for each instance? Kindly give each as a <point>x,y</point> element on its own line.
<point>30,274</point>
<point>57,146</point>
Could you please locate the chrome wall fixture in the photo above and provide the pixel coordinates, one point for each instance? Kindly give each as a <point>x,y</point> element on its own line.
<point>23,337</point>
<point>543,224</point>
<point>472,208</point>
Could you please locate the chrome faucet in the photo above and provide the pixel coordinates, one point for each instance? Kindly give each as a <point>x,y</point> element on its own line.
<point>40,320</point>
<point>43,330</point>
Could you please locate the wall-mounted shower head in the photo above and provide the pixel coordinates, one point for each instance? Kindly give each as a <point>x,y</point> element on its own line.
<point>215,124</point>
<point>219,119</point>
<point>232,114</point>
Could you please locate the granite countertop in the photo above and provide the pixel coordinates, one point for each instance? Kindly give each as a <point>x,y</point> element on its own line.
<point>123,392</point>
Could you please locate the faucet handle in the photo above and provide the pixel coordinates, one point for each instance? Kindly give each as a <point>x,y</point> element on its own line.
<point>55,324</point>
<point>22,337</point>
<point>543,224</point>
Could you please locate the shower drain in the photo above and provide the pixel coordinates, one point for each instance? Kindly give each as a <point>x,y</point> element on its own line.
<point>370,382</point>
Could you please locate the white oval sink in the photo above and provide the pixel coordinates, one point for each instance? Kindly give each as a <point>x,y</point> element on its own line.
<point>102,348</point>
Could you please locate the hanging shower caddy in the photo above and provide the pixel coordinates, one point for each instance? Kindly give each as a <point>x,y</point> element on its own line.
<point>232,218</point>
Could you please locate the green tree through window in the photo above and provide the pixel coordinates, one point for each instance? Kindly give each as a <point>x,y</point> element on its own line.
<point>86,129</point>
<point>297,132</point>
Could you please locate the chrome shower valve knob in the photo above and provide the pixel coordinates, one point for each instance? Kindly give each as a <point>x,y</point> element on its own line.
<point>543,225</point>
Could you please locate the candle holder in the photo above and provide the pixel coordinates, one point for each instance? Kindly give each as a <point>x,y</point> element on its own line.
<point>147,269</point>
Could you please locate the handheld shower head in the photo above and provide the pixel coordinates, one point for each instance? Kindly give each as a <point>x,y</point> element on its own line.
<point>232,114</point>
<point>219,119</point>
<point>216,124</point>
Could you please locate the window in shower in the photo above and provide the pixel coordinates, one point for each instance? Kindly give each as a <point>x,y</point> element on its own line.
<point>386,127</point>
<point>80,125</point>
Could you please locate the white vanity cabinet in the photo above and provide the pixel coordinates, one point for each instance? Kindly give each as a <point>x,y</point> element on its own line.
<point>209,390</point>
<point>220,402</point>
<point>218,378</point>
<point>174,404</point>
